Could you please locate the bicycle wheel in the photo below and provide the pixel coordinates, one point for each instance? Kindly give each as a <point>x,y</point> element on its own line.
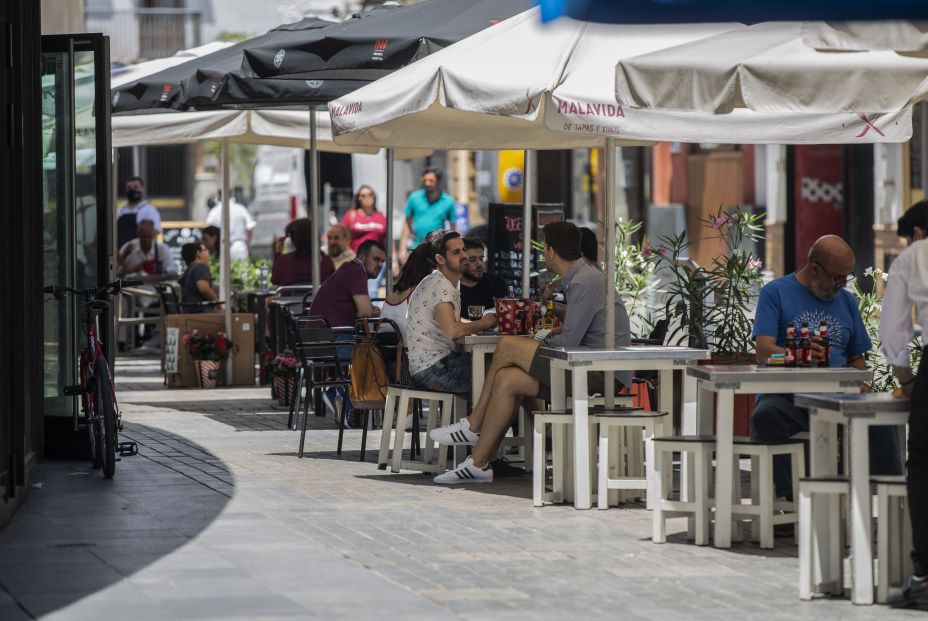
<point>88,408</point>
<point>105,418</point>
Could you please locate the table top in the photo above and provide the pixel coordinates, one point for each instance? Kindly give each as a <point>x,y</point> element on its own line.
<point>641,352</point>
<point>755,373</point>
<point>481,338</point>
<point>854,404</point>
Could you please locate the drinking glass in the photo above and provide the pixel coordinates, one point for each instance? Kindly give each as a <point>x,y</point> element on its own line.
<point>474,312</point>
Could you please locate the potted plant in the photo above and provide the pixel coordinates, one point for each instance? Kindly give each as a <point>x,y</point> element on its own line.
<point>208,351</point>
<point>714,305</point>
<point>284,369</point>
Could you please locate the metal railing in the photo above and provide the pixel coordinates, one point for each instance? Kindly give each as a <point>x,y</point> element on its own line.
<point>143,34</point>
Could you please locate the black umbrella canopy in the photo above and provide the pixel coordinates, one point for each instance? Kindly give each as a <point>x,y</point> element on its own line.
<point>370,48</point>
<point>201,82</point>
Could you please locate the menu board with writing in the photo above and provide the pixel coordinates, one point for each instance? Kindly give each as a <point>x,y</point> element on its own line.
<point>505,252</point>
<point>175,237</point>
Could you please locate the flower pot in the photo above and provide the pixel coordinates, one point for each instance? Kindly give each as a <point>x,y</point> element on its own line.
<point>207,372</point>
<point>285,387</point>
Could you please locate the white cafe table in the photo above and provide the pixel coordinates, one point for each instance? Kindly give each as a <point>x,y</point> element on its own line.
<point>580,361</point>
<point>858,412</point>
<point>728,380</point>
<point>479,345</point>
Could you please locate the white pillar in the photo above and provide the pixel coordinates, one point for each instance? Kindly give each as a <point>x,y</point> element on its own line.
<point>314,214</point>
<point>609,218</point>
<point>528,197</point>
<point>391,171</point>
<point>225,281</point>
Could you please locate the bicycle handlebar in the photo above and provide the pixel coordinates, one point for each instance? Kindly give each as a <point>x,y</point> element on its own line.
<point>109,289</point>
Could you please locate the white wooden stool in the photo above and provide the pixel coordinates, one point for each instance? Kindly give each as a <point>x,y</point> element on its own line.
<point>763,508</point>
<point>434,457</point>
<point>893,535</point>
<point>694,492</point>
<point>613,453</point>
<point>821,549</point>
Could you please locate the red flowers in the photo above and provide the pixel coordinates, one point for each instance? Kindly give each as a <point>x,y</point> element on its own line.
<point>208,346</point>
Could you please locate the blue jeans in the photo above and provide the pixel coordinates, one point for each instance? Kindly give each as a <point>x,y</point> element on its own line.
<point>450,374</point>
<point>777,419</point>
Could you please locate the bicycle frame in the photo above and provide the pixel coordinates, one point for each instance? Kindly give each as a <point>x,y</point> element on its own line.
<point>88,359</point>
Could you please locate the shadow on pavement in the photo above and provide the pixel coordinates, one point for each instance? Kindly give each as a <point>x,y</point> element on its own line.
<point>78,533</point>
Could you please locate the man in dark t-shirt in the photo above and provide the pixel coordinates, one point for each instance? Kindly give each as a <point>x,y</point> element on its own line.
<point>478,288</point>
<point>196,284</point>
<point>343,297</point>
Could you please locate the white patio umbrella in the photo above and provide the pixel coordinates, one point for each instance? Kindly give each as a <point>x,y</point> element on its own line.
<point>769,68</point>
<point>899,36</point>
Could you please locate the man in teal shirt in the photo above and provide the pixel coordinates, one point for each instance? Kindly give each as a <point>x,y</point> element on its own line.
<point>427,210</point>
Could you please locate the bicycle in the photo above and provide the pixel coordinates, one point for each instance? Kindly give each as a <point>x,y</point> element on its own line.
<point>96,390</point>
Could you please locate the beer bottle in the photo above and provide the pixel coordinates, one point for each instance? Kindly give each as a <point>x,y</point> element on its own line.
<point>826,343</point>
<point>805,347</point>
<point>548,321</point>
<point>536,317</point>
<point>789,356</point>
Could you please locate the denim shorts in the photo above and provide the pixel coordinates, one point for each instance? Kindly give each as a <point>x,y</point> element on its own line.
<point>450,374</point>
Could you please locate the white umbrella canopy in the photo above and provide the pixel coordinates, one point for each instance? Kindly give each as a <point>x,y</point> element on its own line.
<point>768,68</point>
<point>899,36</point>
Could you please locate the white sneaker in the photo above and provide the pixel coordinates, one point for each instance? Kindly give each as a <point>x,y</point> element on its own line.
<point>466,472</point>
<point>455,434</point>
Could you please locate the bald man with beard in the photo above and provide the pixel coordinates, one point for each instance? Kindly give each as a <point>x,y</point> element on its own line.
<point>816,292</point>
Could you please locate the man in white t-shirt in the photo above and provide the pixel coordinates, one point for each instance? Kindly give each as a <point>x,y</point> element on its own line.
<point>241,226</point>
<point>434,320</point>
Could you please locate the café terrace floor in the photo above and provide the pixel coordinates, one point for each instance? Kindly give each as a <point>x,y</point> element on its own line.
<point>216,518</point>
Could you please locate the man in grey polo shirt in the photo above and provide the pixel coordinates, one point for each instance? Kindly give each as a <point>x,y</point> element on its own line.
<point>517,372</point>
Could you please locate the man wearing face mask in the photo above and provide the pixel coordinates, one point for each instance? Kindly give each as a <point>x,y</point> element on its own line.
<point>816,292</point>
<point>134,211</point>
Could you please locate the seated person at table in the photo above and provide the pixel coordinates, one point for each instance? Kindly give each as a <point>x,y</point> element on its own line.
<point>478,287</point>
<point>589,246</point>
<point>196,284</point>
<point>343,297</point>
<point>517,371</point>
<point>814,293</point>
<point>417,267</point>
<point>434,320</point>
<point>144,255</point>
<point>295,268</point>
<point>338,245</point>
<point>211,239</point>
<point>907,286</point>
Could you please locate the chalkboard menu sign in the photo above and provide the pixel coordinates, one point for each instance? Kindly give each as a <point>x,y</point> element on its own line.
<point>175,235</point>
<point>505,252</point>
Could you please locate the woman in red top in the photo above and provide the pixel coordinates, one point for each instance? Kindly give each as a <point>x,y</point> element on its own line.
<point>295,268</point>
<point>364,221</point>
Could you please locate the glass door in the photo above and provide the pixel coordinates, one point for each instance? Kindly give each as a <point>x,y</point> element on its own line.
<point>76,203</point>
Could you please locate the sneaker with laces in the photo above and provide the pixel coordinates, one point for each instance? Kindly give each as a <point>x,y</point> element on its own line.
<point>466,472</point>
<point>914,595</point>
<point>455,434</point>
<point>503,468</point>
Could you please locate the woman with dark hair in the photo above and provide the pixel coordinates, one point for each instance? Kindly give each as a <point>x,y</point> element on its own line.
<point>196,283</point>
<point>211,238</point>
<point>364,221</point>
<point>295,268</point>
<point>419,265</point>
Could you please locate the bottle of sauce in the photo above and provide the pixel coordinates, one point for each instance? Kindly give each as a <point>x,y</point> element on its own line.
<point>805,347</point>
<point>536,317</point>
<point>789,356</point>
<point>825,343</point>
<point>548,321</point>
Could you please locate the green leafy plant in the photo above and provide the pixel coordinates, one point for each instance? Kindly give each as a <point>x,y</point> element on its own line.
<point>713,304</point>
<point>869,302</point>
<point>245,273</point>
<point>635,280</point>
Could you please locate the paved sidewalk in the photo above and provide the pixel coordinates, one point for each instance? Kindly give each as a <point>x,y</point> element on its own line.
<point>216,518</point>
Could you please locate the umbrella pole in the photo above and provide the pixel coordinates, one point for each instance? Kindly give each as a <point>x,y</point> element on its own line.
<point>225,279</point>
<point>314,198</point>
<point>609,258</point>
<point>528,186</point>
<point>389,245</point>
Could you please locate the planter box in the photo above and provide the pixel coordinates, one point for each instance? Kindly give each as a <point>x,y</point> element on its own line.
<point>243,363</point>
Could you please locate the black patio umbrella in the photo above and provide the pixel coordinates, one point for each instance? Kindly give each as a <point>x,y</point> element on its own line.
<point>370,48</point>
<point>201,82</point>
